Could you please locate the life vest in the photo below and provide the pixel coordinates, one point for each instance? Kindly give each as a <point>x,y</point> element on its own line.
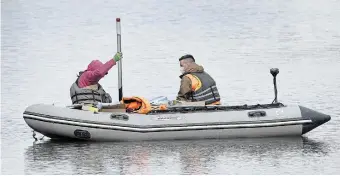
<point>203,88</point>
<point>137,103</point>
<point>87,95</point>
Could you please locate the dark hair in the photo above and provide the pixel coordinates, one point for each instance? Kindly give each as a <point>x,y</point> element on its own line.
<point>187,57</point>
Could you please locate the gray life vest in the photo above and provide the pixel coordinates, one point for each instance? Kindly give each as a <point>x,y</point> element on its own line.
<point>208,91</point>
<point>88,96</point>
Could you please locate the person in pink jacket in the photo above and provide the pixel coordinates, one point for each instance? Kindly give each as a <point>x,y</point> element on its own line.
<point>86,89</point>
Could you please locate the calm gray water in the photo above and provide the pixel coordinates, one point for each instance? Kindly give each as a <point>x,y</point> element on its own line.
<point>45,43</point>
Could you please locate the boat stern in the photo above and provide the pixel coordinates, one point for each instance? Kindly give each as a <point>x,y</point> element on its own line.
<point>317,119</point>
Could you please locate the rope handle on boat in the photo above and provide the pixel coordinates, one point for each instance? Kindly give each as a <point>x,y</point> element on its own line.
<point>36,139</point>
<point>185,109</point>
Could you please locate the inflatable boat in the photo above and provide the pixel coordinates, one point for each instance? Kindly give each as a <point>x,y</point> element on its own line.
<point>166,121</point>
<point>188,122</point>
<point>115,123</point>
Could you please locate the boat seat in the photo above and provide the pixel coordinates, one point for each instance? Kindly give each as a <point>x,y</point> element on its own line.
<point>113,108</point>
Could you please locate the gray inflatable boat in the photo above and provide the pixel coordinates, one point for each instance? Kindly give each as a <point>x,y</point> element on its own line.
<point>177,122</point>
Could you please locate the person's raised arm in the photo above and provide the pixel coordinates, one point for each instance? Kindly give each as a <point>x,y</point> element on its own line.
<point>100,72</point>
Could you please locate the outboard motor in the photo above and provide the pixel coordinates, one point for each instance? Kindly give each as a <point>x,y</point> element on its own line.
<point>274,72</point>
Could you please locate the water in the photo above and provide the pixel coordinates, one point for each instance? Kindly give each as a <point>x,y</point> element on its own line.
<point>44,44</point>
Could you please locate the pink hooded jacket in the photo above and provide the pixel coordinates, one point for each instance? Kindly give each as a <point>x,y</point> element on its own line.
<point>96,70</point>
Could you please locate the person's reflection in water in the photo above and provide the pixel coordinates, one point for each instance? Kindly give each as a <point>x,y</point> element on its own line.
<point>86,160</point>
<point>198,157</point>
<point>135,160</point>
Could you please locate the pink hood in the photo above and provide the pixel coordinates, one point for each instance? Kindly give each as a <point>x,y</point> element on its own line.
<point>94,65</point>
<point>96,70</point>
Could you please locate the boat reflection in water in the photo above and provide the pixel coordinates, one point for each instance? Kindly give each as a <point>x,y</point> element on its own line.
<point>171,157</point>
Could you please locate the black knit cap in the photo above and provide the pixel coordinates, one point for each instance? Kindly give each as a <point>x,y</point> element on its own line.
<point>186,57</point>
